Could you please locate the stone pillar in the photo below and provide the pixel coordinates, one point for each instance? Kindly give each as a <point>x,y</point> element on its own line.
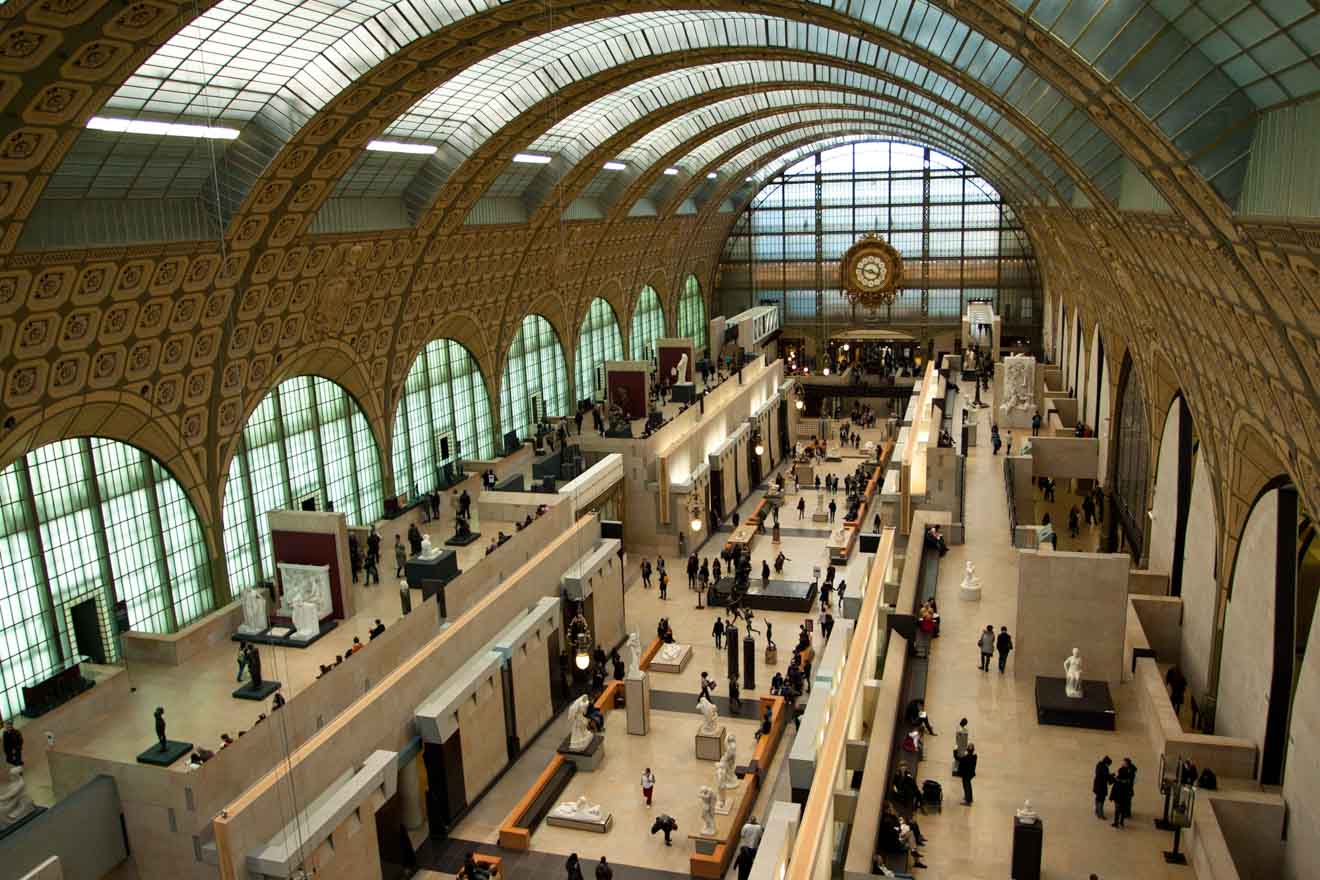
<point>413,810</point>
<point>637,701</point>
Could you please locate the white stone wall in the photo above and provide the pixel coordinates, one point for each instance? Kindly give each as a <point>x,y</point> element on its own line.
<point>1199,589</point>
<point>1248,652</point>
<point>1301,772</point>
<point>1102,425</point>
<point>1164,501</point>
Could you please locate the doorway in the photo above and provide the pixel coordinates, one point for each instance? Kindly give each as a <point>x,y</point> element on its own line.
<point>87,631</point>
<point>397,859</point>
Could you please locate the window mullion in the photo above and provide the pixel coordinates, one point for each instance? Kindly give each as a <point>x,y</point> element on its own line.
<point>45,595</point>
<point>99,534</point>
<point>249,503</point>
<point>318,447</point>
<point>158,535</point>
<point>283,444</point>
<point>352,456</point>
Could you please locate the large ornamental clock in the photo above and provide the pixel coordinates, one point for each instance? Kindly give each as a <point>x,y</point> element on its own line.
<point>872,270</point>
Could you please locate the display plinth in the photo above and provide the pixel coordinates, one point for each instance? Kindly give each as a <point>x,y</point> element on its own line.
<point>260,692</point>
<point>283,636</point>
<point>469,538</point>
<point>596,826</point>
<point>683,392</point>
<point>820,516</point>
<point>1094,709</point>
<point>637,702</point>
<point>704,845</point>
<point>970,593</point>
<point>771,656</point>
<point>666,660</point>
<point>710,746</point>
<point>588,759</point>
<point>442,566</point>
<point>173,751</point>
<point>1028,844</point>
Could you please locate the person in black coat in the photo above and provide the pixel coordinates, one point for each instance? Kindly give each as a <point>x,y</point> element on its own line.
<point>1125,784</point>
<point>574,867</point>
<point>1003,644</point>
<point>718,632</point>
<point>415,539</point>
<point>967,772</point>
<point>1100,784</point>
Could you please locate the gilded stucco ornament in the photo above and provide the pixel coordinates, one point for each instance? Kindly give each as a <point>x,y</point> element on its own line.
<point>871,272</point>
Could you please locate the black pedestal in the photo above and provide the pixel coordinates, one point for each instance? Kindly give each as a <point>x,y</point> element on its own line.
<point>174,750</point>
<point>1094,709</point>
<point>683,392</point>
<point>260,692</point>
<point>442,567</point>
<point>731,646</point>
<point>469,538</point>
<point>1028,842</point>
<point>749,663</point>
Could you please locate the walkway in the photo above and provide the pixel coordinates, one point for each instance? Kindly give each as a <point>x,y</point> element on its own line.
<point>1020,759</point>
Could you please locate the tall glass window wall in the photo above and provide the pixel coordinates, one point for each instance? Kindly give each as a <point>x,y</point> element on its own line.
<point>1133,453</point>
<point>535,371</point>
<point>958,239</point>
<point>648,324</point>
<point>692,314</point>
<point>599,341</point>
<point>307,439</point>
<point>444,394</point>
<point>91,520</point>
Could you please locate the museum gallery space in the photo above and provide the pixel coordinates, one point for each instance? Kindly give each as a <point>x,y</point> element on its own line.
<point>512,439</point>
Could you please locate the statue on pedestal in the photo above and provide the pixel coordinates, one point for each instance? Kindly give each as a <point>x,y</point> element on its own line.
<point>159,715</point>
<point>427,550</point>
<point>14,800</point>
<point>634,649</point>
<point>709,716</point>
<point>255,617</point>
<point>306,620</point>
<point>461,527</point>
<point>1072,670</point>
<point>970,581</point>
<point>253,665</point>
<point>580,735</point>
<point>706,797</point>
<point>820,501</point>
<point>578,809</point>
<point>1027,814</point>
<point>681,371</point>
<point>725,776</point>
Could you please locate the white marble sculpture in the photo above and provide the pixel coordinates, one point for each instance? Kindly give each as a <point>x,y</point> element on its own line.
<point>710,716</point>
<point>1072,671</point>
<point>1027,814</point>
<point>671,653</point>
<point>726,777</point>
<point>706,797</point>
<point>634,649</point>
<point>306,621</point>
<point>14,800</point>
<point>836,537</point>
<point>682,368</point>
<point>580,735</point>
<point>428,551</point>
<point>578,809</point>
<point>970,581</point>
<point>255,618</point>
<point>306,583</point>
<point>1018,398</point>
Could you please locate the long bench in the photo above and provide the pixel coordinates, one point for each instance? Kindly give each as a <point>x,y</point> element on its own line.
<point>750,527</point>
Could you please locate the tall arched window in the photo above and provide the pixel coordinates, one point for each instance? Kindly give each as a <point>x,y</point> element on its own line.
<point>692,313</point>
<point>598,342</point>
<point>307,438</point>
<point>443,393</point>
<point>1133,457</point>
<point>648,325</point>
<point>91,520</point>
<point>535,370</point>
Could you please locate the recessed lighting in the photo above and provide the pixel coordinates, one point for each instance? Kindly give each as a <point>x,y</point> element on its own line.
<point>712,176</point>
<point>615,166</point>
<point>167,129</point>
<point>532,159</point>
<point>671,172</point>
<point>751,180</point>
<point>398,147</point>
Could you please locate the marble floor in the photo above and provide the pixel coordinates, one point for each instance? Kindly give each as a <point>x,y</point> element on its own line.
<point>1020,759</point>
<point>197,697</point>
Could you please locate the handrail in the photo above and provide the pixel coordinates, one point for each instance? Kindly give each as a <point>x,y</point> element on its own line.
<point>813,835</point>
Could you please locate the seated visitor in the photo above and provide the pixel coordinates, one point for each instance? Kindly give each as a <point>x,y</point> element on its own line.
<point>764,729</point>
<point>375,630</point>
<point>776,684</point>
<point>935,540</point>
<point>916,715</point>
<point>226,741</point>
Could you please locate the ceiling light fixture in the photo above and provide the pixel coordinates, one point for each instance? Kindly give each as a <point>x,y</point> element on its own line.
<point>399,147</point>
<point>532,159</point>
<point>711,176</point>
<point>615,166</point>
<point>167,129</point>
<point>671,172</point>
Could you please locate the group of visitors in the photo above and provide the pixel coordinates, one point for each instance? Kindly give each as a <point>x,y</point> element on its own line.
<point>370,562</point>
<point>989,643</point>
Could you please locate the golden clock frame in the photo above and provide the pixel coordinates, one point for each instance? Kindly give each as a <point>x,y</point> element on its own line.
<point>871,244</point>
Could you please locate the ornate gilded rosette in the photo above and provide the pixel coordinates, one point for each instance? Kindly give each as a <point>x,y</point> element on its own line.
<point>872,271</point>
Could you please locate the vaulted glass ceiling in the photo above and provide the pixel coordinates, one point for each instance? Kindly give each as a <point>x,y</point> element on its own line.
<point>1202,69</point>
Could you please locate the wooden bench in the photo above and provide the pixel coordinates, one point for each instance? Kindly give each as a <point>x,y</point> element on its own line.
<point>516,832</point>
<point>494,864</point>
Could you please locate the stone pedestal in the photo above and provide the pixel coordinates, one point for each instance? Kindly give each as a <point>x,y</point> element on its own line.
<point>671,658</point>
<point>637,701</point>
<point>704,845</point>
<point>710,746</point>
<point>306,622</point>
<point>588,759</point>
<point>582,823</point>
<point>771,656</point>
<point>970,592</point>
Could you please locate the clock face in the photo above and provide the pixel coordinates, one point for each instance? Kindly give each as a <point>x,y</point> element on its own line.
<point>871,272</point>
